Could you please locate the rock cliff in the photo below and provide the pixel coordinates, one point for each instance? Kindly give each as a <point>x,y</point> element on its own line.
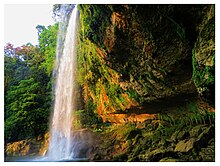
<point>133,55</point>
<point>149,70</point>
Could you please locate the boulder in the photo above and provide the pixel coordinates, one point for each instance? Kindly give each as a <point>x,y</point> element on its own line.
<point>169,159</point>
<point>178,135</point>
<point>185,145</point>
<point>182,135</point>
<point>208,153</point>
<point>195,131</point>
<point>207,134</point>
<point>158,154</point>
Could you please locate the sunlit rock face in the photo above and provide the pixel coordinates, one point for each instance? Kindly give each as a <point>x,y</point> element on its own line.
<point>152,52</point>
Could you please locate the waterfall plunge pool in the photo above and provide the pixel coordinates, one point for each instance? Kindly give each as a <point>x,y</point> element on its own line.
<point>41,159</point>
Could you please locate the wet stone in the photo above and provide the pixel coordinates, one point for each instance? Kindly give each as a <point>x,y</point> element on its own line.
<point>169,159</point>
<point>185,145</point>
<point>182,135</point>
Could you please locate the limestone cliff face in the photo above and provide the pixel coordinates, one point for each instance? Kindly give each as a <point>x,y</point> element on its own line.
<point>136,54</point>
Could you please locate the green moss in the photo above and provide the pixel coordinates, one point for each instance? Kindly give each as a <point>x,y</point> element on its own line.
<point>187,115</point>
<point>95,19</point>
<point>125,131</point>
<point>134,95</point>
<point>95,75</point>
<point>203,61</point>
<point>197,75</point>
<point>87,117</point>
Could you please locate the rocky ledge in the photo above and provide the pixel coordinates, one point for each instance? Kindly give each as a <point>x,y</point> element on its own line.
<point>178,135</point>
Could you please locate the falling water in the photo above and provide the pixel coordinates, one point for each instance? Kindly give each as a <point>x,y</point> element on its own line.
<point>61,140</point>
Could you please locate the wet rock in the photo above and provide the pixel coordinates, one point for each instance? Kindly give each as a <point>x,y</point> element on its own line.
<point>158,154</point>
<point>195,131</point>
<point>205,136</point>
<point>178,135</point>
<point>173,138</point>
<point>120,157</point>
<point>133,134</point>
<point>148,121</point>
<point>182,135</point>
<point>150,53</point>
<point>208,153</point>
<point>95,157</point>
<point>169,159</point>
<point>204,59</point>
<point>185,145</point>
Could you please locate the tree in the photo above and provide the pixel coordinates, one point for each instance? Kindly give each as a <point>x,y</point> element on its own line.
<point>28,71</point>
<point>14,68</point>
<point>47,46</point>
<point>27,98</point>
<point>25,111</point>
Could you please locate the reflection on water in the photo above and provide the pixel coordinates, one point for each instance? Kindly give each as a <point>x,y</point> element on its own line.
<point>40,159</point>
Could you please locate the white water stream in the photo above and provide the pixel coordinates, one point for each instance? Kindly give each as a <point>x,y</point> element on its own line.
<point>61,145</point>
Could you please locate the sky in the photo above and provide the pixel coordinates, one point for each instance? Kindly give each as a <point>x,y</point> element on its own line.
<point>20,21</point>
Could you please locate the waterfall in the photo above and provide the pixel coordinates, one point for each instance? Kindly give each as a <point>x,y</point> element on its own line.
<point>61,145</point>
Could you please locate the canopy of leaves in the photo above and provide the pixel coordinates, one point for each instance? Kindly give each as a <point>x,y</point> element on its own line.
<point>27,83</point>
<point>47,46</point>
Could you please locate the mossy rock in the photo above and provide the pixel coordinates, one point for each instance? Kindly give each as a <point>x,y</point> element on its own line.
<point>169,159</point>
<point>120,157</point>
<point>195,131</point>
<point>180,132</point>
<point>133,134</point>
<point>185,146</point>
<point>205,136</point>
<point>158,154</point>
<point>173,138</point>
<point>204,62</point>
<point>182,135</point>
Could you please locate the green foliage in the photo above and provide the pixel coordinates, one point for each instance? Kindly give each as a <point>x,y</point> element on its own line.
<point>203,61</point>
<point>25,110</point>
<point>87,117</point>
<point>94,73</point>
<point>134,95</point>
<point>95,19</point>
<point>14,71</point>
<point>28,86</point>
<point>204,79</point>
<point>124,132</point>
<point>47,45</point>
<point>114,92</point>
<point>202,75</point>
<point>200,116</point>
<point>184,118</point>
<point>188,116</point>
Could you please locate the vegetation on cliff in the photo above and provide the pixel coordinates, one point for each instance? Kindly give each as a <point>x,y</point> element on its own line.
<point>146,83</point>
<point>145,53</point>
<point>152,62</point>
